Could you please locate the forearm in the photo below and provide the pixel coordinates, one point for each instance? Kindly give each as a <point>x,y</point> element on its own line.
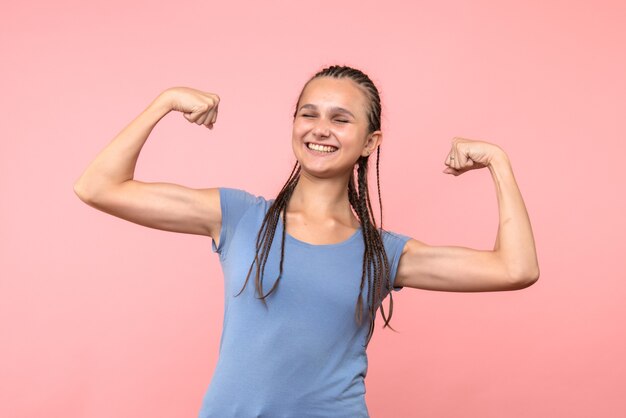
<point>514,242</point>
<point>116,163</point>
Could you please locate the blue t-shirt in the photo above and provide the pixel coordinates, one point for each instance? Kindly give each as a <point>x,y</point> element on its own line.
<point>302,355</point>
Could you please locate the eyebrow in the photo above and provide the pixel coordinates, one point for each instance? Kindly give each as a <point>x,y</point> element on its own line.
<point>332,109</point>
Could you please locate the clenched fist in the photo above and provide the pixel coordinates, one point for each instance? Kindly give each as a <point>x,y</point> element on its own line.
<point>467,154</point>
<point>197,106</point>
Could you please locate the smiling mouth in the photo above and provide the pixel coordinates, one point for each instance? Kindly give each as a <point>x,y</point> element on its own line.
<point>329,149</point>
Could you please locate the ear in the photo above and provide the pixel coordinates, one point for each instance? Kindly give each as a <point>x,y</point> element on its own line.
<point>373,141</point>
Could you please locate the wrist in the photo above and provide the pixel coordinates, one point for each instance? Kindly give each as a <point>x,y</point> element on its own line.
<point>163,103</point>
<point>499,160</point>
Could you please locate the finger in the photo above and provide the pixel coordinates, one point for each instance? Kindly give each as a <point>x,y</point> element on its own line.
<point>209,117</point>
<point>452,159</point>
<point>212,105</point>
<point>450,170</point>
<point>457,154</point>
<point>190,116</point>
<point>464,160</point>
<point>196,113</point>
<point>449,161</point>
<point>215,112</point>
<point>208,120</point>
<point>202,118</point>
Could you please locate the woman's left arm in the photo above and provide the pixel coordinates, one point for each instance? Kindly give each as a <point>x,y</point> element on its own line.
<point>512,264</point>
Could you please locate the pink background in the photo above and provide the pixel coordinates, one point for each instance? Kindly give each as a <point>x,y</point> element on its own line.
<point>103,318</point>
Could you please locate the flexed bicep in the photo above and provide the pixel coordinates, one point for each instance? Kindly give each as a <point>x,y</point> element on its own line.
<point>453,269</point>
<point>165,206</point>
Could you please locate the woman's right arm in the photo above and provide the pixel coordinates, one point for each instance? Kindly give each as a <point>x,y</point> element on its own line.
<point>108,184</point>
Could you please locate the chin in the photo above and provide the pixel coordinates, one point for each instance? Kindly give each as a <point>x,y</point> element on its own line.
<point>323,172</point>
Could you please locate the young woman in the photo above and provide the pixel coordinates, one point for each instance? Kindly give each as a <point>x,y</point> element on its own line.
<point>294,343</point>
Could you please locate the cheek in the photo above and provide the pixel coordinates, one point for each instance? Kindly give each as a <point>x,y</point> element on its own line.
<point>297,136</point>
<point>299,129</point>
<point>352,136</point>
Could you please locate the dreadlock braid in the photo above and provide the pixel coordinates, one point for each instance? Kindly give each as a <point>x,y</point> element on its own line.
<point>376,269</point>
<point>267,231</point>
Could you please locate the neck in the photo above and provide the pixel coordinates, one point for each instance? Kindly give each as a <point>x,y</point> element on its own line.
<point>319,198</point>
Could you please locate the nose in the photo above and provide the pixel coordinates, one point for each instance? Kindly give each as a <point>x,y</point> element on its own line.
<point>321,128</point>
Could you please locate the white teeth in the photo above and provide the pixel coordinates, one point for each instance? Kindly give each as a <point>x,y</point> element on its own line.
<point>323,148</point>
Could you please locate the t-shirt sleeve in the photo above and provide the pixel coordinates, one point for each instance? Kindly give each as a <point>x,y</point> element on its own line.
<point>234,203</point>
<point>394,244</point>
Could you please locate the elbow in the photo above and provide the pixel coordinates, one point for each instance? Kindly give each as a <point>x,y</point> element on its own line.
<point>79,191</point>
<point>525,278</point>
<point>84,192</point>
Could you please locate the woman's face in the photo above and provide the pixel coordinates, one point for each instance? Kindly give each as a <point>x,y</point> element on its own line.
<point>330,130</point>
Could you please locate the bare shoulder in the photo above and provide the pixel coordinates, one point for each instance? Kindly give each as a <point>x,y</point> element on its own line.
<point>413,245</point>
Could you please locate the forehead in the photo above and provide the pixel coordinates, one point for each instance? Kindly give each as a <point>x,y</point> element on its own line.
<point>332,92</point>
